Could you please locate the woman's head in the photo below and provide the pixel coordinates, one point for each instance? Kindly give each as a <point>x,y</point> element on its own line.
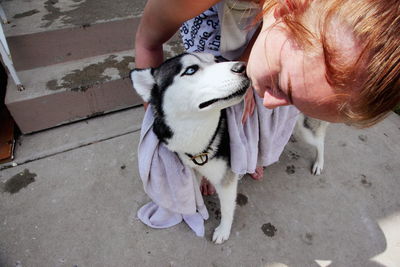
<point>336,60</point>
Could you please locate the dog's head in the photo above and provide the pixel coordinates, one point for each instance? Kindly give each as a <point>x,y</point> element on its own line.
<point>192,83</point>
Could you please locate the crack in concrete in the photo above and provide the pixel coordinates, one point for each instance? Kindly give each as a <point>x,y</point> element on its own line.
<point>68,149</point>
<point>26,14</point>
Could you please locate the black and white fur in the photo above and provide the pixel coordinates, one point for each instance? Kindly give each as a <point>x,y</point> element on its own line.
<point>188,94</point>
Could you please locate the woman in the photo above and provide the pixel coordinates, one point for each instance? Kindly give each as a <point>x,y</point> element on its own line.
<point>345,54</point>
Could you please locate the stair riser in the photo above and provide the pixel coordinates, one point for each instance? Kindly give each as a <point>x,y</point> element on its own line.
<point>58,46</point>
<point>51,110</point>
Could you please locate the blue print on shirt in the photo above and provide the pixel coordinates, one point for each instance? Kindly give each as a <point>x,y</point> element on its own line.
<point>202,33</point>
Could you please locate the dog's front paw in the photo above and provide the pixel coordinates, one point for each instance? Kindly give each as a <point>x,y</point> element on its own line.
<point>221,234</point>
<point>317,168</point>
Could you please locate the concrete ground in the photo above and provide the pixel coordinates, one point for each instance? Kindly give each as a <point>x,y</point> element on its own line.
<point>71,196</point>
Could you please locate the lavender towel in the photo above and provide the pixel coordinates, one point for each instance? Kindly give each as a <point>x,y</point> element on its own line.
<point>173,187</point>
<point>261,140</point>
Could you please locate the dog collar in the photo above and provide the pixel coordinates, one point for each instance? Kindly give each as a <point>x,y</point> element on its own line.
<point>199,159</point>
<point>202,158</point>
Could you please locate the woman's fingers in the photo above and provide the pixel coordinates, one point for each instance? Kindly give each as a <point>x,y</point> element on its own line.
<point>249,104</point>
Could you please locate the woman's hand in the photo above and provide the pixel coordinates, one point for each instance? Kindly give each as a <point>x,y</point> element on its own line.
<point>249,104</point>
<point>249,101</point>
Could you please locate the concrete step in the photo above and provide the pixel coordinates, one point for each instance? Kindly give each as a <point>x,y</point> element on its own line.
<point>74,90</point>
<point>73,58</point>
<point>46,32</point>
<point>47,143</point>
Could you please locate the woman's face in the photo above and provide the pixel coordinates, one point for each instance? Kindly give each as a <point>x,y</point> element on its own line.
<point>283,74</point>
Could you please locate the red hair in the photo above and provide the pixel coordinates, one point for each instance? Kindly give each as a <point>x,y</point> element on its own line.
<point>368,86</point>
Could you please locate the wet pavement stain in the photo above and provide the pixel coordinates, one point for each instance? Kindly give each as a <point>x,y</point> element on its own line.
<point>176,48</point>
<point>363,137</point>
<point>26,14</point>
<point>342,144</point>
<point>307,238</point>
<point>269,229</point>
<point>241,199</point>
<point>89,76</point>
<point>364,181</point>
<point>291,169</point>
<point>18,181</point>
<point>212,203</point>
<point>321,183</point>
<point>217,214</point>
<point>84,12</point>
<point>213,207</point>
<point>388,168</point>
<point>293,155</point>
<point>53,12</point>
<point>85,26</point>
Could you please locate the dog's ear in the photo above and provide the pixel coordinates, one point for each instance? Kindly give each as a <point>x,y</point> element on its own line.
<point>143,81</point>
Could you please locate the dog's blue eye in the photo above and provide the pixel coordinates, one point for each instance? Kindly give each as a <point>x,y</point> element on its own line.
<point>191,70</point>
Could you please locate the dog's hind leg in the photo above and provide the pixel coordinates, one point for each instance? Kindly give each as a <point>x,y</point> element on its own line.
<point>226,190</point>
<point>319,144</point>
<point>313,132</point>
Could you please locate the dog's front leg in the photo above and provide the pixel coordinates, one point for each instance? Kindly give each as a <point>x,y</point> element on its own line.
<point>227,196</point>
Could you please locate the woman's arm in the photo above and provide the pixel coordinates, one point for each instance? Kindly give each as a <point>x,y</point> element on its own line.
<point>160,20</point>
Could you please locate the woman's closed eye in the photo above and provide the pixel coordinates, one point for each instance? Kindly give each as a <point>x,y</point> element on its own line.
<point>277,84</point>
<point>288,92</point>
<point>289,89</point>
<point>279,91</point>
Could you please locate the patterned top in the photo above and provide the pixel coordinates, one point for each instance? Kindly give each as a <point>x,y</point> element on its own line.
<point>223,30</point>
<point>202,33</point>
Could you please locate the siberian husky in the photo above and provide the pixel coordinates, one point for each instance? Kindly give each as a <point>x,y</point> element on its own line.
<point>189,94</point>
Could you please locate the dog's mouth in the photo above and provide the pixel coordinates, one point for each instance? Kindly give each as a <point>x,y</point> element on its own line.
<point>238,93</point>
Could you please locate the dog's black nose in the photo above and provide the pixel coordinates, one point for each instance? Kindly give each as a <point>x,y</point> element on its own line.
<point>239,67</point>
